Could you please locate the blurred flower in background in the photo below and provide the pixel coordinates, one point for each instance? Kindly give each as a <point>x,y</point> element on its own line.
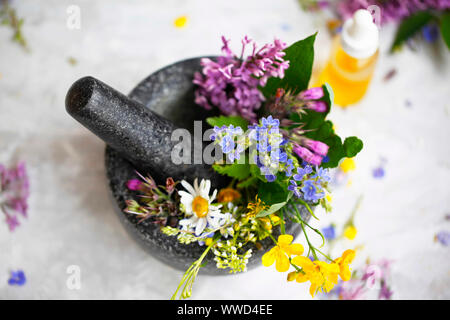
<point>17,278</point>
<point>443,237</point>
<point>14,192</point>
<point>428,18</point>
<point>372,281</point>
<point>392,10</point>
<point>8,17</point>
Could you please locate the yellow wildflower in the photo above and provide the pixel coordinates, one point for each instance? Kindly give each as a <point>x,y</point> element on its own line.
<point>228,195</point>
<point>350,232</point>
<point>256,207</point>
<point>274,218</point>
<point>266,223</point>
<point>270,221</point>
<point>292,276</point>
<point>180,22</point>
<point>348,164</point>
<point>322,276</point>
<point>281,252</point>
<point>343,262</point>
<point>330,273</point>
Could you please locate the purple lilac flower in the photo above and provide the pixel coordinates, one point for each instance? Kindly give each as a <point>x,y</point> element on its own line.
<point>17,278</point>
<point>392,10</point>
<point>231,83</point>
<point>14,192</point>
<point>329,232</point>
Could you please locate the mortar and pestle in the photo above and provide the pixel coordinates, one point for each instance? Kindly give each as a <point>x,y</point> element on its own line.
<point>137,131</point>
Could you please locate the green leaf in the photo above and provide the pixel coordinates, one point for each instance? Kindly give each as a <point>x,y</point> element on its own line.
<point>272,193</point>
<point>445,28</point>
<point>336,151</point>
<point>352,145</point>
<point>410,26</point>
<point>249,182</point>
<point>256,172</point>
<point>328,97</point>
<point>300,56</point>
<point>226,121</point>
<point>322,130</point>
<point>273,208</point>
<point>236,170</point>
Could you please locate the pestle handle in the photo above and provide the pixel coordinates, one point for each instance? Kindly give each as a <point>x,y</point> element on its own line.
<point>137,133</point>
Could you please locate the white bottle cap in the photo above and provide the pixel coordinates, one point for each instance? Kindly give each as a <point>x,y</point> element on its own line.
<point>360,35</point>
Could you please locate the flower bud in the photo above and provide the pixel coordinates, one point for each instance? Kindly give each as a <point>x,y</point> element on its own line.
<point>291,276</point>
<point>170,185</point>
<point>318,106</point>
<point>317,147</point>
<point>307,155</point>
<point>312,94</point>
<point>134,184</point>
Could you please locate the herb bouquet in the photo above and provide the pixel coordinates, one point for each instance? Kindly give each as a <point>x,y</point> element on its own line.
<point>277,149</point>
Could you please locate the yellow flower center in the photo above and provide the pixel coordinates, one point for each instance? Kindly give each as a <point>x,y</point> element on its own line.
<point>200,206</point>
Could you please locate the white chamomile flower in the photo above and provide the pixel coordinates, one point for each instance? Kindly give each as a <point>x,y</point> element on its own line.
<point>197,206</point>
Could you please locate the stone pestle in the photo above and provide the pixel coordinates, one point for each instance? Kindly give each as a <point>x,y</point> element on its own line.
<point>140,135</point>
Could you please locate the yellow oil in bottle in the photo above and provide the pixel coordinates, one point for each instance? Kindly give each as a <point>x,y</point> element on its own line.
<point>353,58</point>
<point>348,77</point>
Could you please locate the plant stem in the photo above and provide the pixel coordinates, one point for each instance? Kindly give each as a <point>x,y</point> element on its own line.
<point>282,227</point>
<point>311,247</point>
<point>191,273</point>
<point>307,207</point>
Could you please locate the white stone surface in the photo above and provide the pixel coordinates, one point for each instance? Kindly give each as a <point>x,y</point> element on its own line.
<point>120,42</point>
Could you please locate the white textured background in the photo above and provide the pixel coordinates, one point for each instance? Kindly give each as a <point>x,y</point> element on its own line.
<point>120,42</point>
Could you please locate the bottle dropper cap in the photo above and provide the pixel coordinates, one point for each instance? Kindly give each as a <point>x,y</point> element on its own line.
<point>360,35</point>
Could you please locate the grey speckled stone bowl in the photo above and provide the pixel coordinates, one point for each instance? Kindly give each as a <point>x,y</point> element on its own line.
<point>170,93</point>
